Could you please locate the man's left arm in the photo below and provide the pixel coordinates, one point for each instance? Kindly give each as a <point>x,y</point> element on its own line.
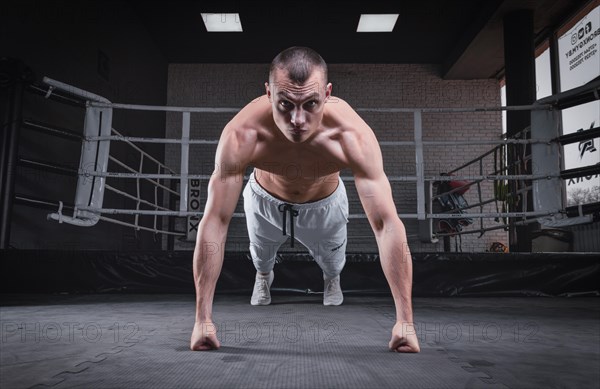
<point>375,195</point>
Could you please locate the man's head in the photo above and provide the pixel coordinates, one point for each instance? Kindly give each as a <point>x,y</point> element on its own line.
<point>298,64</point>
<point>298,90</point>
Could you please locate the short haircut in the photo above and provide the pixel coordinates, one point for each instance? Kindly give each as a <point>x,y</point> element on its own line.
<point>299,63</point>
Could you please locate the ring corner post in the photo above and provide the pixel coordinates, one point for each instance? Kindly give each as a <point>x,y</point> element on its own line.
<point>185,153</point>
<point>547,193</point>
<point>420,164</point>
<point>13,77</point>
<point>519,65</point>
<point>426,226</point>
<point>94,160</point>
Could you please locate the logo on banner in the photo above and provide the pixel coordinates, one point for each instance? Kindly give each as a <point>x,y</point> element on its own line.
<point>581,33</point>
<point>193,206</point>
<point>586,145</point>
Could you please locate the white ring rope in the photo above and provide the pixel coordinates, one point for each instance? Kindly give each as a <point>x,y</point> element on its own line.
<point>140,107</point>
<point>345,178</point>
<point>382,143</point>
<point>132,197</point>
<point>119,135</point>
<point>541,107</point>
<point>153,140</point>
<point>133,174</point>
<point>115,211</point>
<point>115,221</point>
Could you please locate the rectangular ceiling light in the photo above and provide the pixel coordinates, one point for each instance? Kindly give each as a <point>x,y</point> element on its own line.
<point>377,22</point>
<point>222,22</point>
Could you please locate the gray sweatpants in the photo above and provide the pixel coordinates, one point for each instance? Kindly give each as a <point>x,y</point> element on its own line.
<point>320,226</point>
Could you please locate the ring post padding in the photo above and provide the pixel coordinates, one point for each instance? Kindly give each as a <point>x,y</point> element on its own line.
<point>547,193</point>
<point>94,158</point>
<point>89,194</point>
<point>185,152</point>
<point>420,165</point>
<point>426,226</point>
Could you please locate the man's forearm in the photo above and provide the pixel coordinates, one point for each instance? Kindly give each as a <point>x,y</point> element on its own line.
<point>396,262</point>
<point>208,260</point>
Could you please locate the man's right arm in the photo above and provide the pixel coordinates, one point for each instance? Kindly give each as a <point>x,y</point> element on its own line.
<point>224,190</point>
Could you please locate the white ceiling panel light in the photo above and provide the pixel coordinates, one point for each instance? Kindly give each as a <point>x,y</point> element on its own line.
<point>222,22</point>
<point>377,22</point>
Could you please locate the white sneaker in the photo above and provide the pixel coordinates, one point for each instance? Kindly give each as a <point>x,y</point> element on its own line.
<point>332,292</point>
<point>262,294</point>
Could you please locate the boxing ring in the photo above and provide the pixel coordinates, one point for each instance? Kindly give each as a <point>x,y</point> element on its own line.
<point>543,183</point>
<point>116,319</point>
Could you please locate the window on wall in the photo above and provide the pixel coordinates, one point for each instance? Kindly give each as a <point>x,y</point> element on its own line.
<point>579,63</point>
<point>543,73</point>
<point>543,78</point>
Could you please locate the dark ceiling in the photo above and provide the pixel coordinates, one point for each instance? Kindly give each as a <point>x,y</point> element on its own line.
<point>463,36</point>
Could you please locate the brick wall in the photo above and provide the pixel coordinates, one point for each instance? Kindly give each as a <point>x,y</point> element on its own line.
<point>364,86</point>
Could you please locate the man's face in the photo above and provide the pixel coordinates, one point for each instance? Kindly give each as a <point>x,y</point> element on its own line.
<point>298,109</point>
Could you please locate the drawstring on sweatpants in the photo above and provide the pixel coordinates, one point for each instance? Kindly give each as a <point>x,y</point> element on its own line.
<point>285,208</point>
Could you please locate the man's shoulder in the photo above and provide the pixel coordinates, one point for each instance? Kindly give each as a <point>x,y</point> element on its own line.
<point>257,108</point>
<point>351,132</point>
<point>249,119</point>
<point>338,105</point>
<point>342,116</point>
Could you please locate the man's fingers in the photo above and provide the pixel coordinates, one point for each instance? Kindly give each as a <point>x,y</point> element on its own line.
<point>201,347</point>
<point>397,342</point>
<point>204,337</point>
<point>405,349</point>
<point>208,344</point>
<point>214,342</point>
<point>401,345</point>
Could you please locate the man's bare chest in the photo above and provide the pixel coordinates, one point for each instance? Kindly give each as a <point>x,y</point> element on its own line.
<point>299,163</point>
